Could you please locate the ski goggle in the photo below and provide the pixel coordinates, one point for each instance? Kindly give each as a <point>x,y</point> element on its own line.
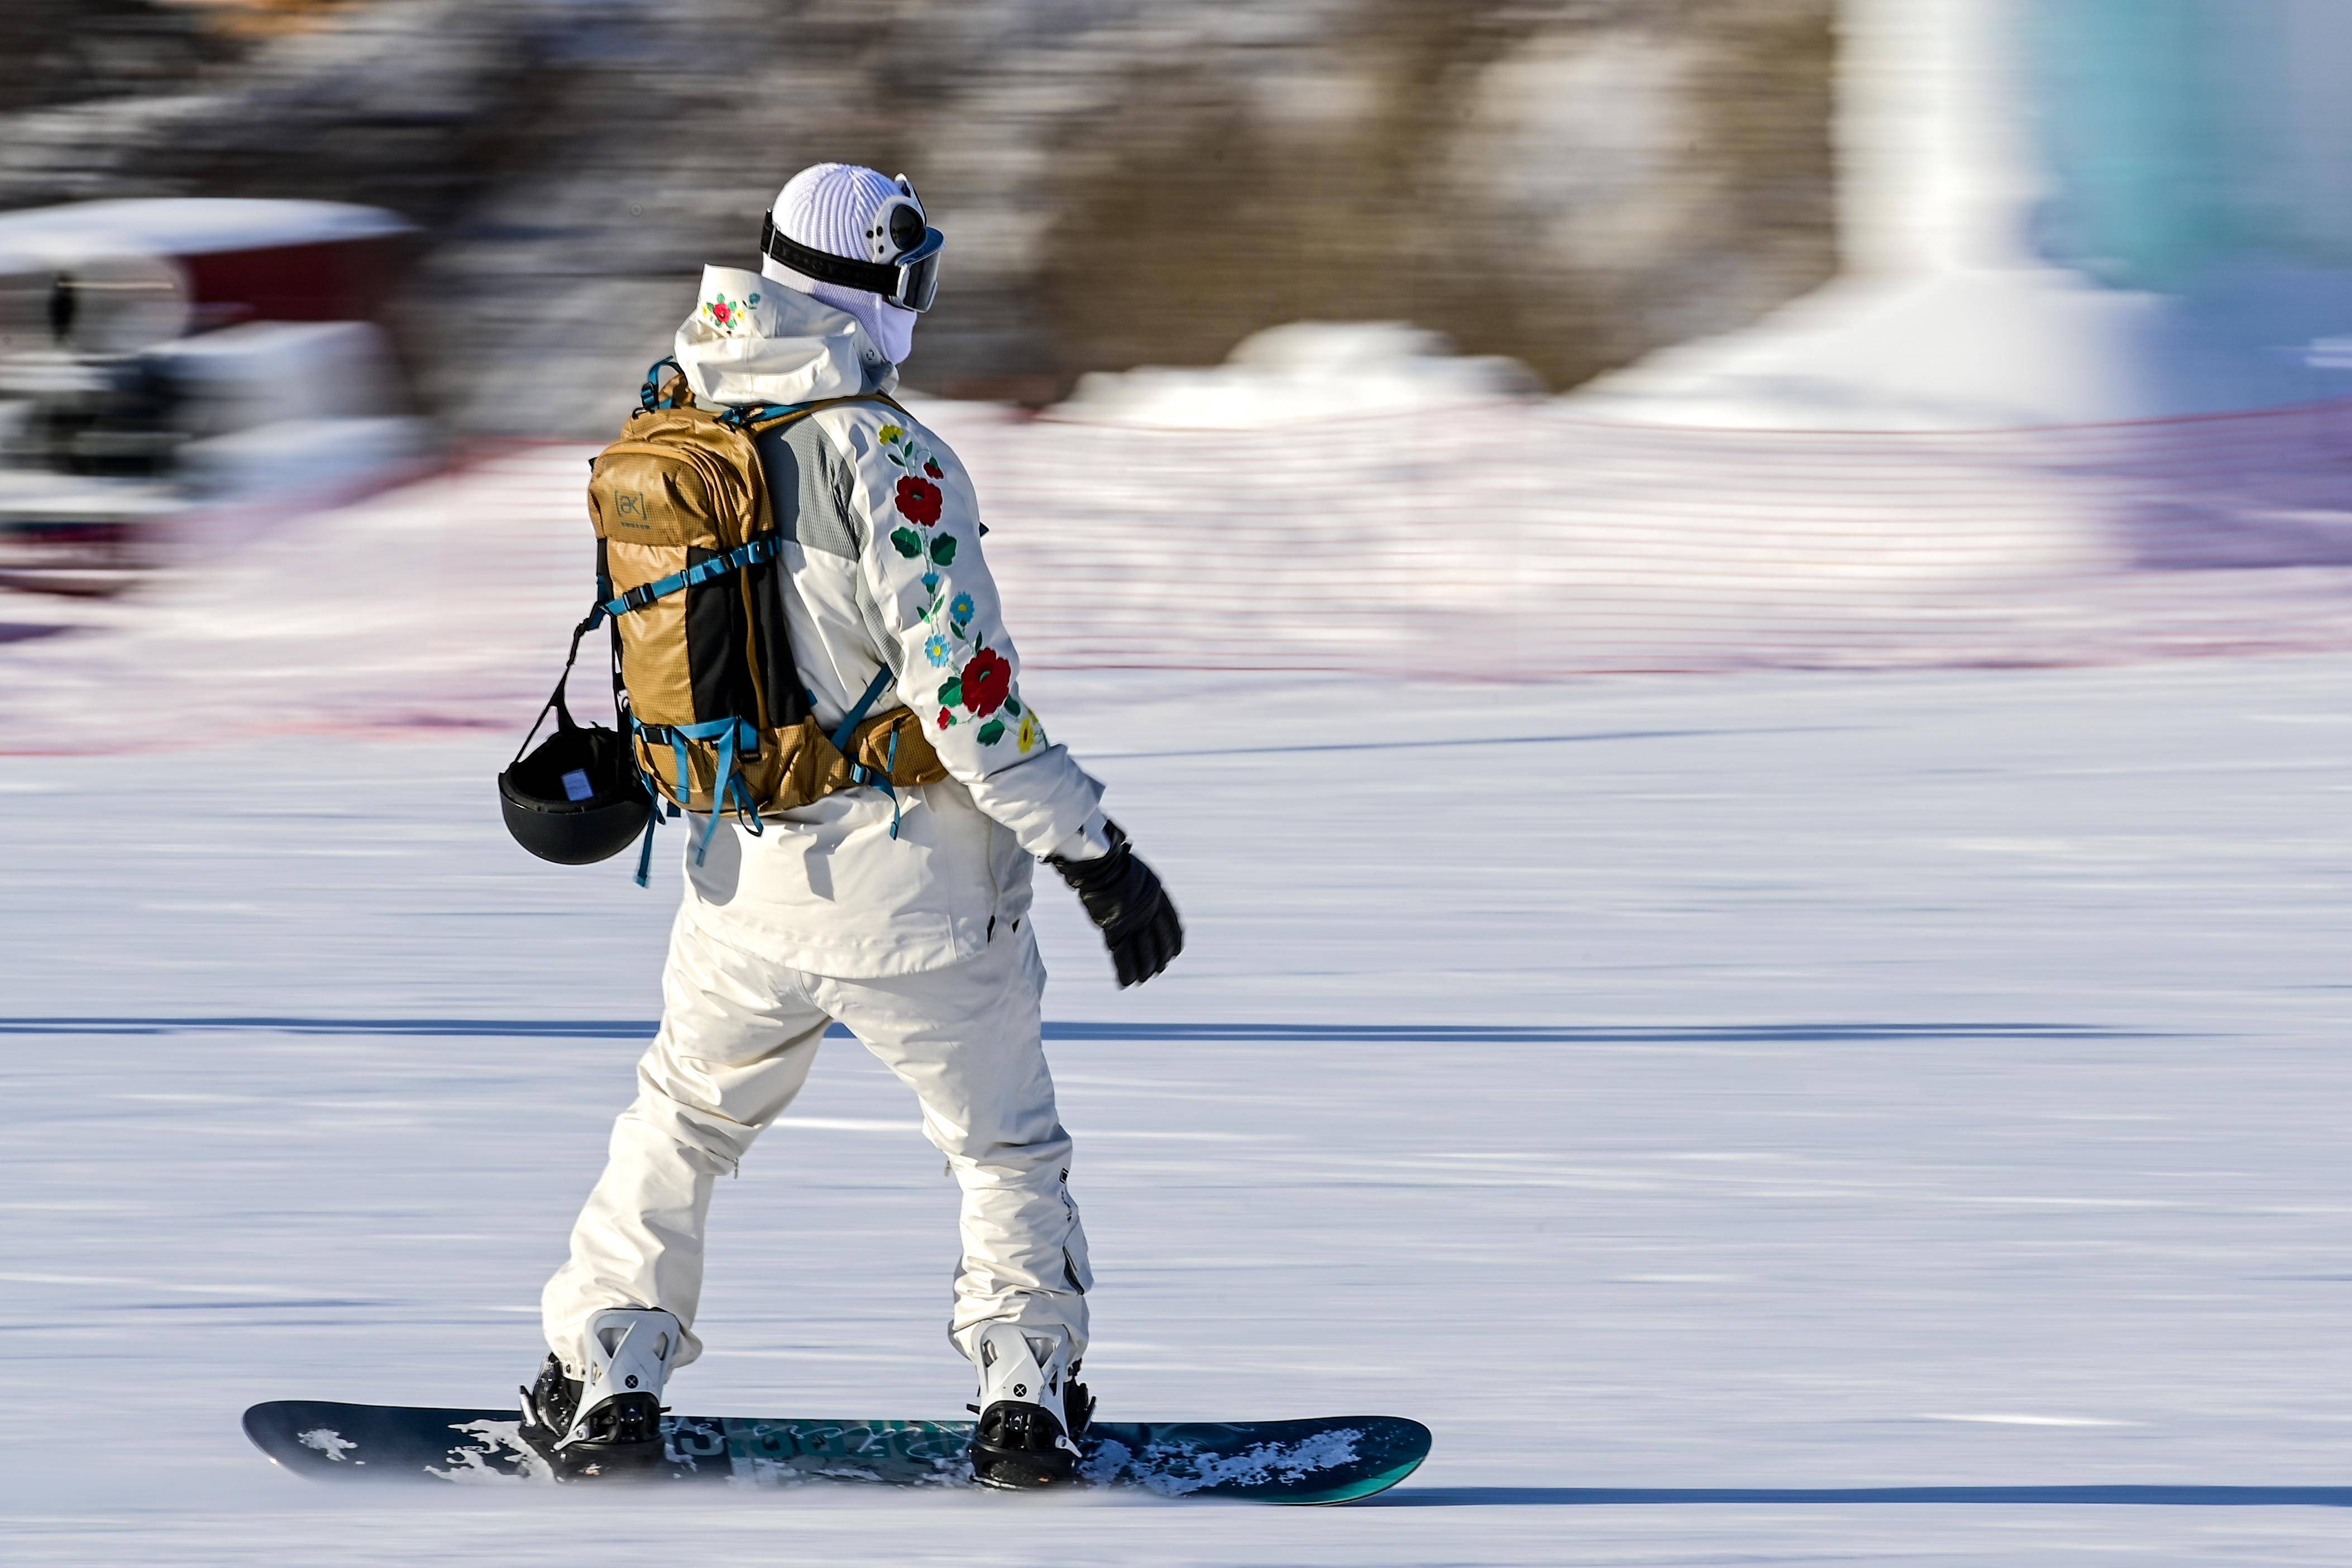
<point>906,272</point>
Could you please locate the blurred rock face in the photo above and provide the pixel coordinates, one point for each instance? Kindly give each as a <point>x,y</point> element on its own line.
<point>1569,182</point>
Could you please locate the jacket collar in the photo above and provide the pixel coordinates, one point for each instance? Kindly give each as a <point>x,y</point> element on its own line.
<point>753,339</point>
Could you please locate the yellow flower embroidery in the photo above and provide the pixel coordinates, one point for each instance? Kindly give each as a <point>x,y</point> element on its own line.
<point>891,432</point>
<point>1033,733</point>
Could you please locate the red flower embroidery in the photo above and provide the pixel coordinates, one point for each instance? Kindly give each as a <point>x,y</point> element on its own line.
<point>932,469</point>
<point>944,718</point>
<point>719,314</point>
<point>918,501</point>
<point>987,682</point>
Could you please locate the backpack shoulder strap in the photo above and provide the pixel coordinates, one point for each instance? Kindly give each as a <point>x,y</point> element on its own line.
<point>857,714</point>
<point>759,418</point>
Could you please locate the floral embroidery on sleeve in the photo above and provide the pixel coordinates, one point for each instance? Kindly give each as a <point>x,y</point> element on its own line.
<point>978,684</point>
<point>980,690</point>
<point>917,500</point>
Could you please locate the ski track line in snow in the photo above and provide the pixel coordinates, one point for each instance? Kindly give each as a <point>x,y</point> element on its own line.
<point>1141,1033</point>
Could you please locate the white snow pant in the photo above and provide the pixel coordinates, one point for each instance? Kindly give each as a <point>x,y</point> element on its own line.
<point>739,1034</point>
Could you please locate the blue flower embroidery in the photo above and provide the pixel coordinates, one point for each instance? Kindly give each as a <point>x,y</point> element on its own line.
<point>962,609</point>
<point>937,650</point>
<point>931,582</point>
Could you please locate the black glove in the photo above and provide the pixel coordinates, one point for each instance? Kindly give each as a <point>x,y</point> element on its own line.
<point>1125,899</point>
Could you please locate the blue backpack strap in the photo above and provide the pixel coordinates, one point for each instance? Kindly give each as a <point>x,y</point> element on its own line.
<point>729,782</point>
<point>764,548</point>
<point>649,395</point>
<point>646,847</point>
<point>857,715</point>
<point>734,738</point>
<point>743,416</point>
<point>847,727</point>
<point>663,805</point>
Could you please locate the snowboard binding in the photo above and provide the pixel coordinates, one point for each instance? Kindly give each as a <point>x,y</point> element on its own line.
<point>1031,1413</point>
<point>610,1423</point>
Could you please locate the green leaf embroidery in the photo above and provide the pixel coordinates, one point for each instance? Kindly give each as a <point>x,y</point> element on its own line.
<point>942,548</point>
<point>962,628</point>
<point>990,733</point>
<point>952,692</point>
<point>1013,706</point>
<point>907,541</point>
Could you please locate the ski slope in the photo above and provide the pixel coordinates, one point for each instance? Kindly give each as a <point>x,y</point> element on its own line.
<point>1664,1085</point>
<point>1505,540</point>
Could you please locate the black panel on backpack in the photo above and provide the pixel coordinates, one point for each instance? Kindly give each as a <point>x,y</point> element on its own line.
<point>787,697</point>
<point>719,673</point>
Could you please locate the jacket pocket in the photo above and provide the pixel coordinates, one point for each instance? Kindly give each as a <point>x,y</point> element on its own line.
<point>1075,1262</point>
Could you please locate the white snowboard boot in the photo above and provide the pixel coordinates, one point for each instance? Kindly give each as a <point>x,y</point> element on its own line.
<point>611,1421</point>
<point>1031,1410</point>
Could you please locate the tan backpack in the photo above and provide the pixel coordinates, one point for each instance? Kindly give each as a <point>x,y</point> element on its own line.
<point>688,568</point>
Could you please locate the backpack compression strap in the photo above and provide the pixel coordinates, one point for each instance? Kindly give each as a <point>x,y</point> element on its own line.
<point>730,736</point>
<point>734,738</point>
<point>764,548</point>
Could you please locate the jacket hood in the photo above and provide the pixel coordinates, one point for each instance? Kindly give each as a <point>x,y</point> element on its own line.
<point>753,339</point>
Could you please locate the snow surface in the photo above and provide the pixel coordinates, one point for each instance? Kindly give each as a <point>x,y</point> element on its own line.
<point>1668,1085</point>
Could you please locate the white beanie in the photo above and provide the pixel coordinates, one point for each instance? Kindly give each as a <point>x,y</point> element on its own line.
<point>833,207</point>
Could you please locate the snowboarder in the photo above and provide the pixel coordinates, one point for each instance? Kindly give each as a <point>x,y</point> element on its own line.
<point>903,916</point>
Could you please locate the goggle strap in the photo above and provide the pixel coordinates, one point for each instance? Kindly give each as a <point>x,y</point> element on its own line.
<point>875,276</point>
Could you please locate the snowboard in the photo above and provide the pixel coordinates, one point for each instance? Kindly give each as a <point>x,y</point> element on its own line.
<point>1334,1459</point>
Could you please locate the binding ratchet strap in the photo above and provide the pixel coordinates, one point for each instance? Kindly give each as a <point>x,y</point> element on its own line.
<point>764,548</point>
<point>841,739</point>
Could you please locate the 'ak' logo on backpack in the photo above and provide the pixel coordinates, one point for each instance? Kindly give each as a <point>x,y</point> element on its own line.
<point>629,508</point>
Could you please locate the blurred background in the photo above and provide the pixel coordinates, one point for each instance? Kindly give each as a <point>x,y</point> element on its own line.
<point>1730,619</point>
<point>1712,332</point>
<point>1127,182</point>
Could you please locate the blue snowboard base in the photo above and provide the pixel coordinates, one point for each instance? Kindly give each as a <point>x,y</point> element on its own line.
<point>1334,1459</point>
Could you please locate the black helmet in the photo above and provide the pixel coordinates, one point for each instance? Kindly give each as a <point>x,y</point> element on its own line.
<point>578,798</point>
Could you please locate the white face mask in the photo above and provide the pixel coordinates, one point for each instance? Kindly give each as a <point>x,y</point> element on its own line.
<point>892,327</point>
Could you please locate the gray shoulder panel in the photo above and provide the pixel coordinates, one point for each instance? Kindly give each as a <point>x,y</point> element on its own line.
<point>809,485</point>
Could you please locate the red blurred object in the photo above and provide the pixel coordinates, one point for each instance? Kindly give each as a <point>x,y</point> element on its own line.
<point>335,280</point>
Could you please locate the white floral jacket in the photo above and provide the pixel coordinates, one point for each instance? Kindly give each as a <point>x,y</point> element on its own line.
<point>883,568</point>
